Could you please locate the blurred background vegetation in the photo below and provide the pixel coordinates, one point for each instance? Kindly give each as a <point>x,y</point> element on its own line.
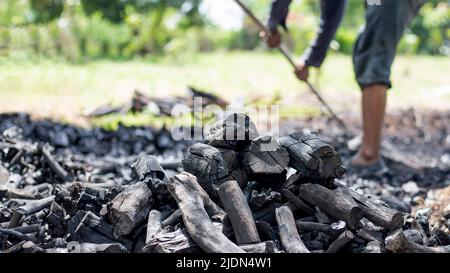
<point>83,30</point>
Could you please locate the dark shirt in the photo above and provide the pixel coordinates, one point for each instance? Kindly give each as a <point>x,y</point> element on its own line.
<point>332,12</point>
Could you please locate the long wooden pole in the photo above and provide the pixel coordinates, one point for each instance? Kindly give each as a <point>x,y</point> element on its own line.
<point>285,52</point>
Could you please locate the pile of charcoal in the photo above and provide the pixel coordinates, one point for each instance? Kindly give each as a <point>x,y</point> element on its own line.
<point>94,191</point>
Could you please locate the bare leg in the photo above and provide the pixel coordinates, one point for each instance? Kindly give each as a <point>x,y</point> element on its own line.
<point>373,109</point>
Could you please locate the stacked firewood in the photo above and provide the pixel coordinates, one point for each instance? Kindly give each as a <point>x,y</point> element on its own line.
<point>237,192</point>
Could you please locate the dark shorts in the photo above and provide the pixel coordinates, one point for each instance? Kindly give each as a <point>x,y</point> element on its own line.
<point>375,48</point>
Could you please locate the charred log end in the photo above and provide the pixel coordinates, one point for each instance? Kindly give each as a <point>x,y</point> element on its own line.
<point>355,215</point>
<point>397,221</point>
<point>123,223</point>
<point>396,242</point>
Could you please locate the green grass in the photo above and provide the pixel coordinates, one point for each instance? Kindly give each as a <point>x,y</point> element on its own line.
<point>61,90</point>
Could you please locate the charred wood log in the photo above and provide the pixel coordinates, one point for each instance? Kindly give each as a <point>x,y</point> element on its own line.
<point>340,242</point>
<point>11,192</point>
<point>296,202</point>
<point>233,200</point>
<point>31,247</point>
<point>207,164</point>
<point>289,236</point>
<point>28,209</point>
<point>177,241</point>
<point>172,219</point>
<point>264,247</point>
<point>265,156</point>
<point>316,159</point>
<point>333,203</point>
<point>191,202</point>
<point>129,208</point>
<point>75,247</point>
<point>208,98</point>
<point>234,132</point>
<point>397,242</point>
<point>149,171</point>
<point>383,216</point>
<point>372,247</point>
<point>90,221</point>
<point>154,225</point>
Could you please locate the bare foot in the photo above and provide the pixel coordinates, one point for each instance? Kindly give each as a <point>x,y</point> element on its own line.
<point>362,159</point>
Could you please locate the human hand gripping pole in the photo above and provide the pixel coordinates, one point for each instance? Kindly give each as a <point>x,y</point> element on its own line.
<point>285,52</point>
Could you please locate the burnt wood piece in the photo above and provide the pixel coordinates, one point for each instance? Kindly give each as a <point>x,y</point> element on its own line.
<point>265,156</point>
<point>333,203</point>
<point>31,247</point>
<point>304,227</point>
<point>372,247</point>
<point>258,200</point>
<point>55,218</point>
<point>383,216</point>
<point>291,183</point>
<point>16,234</point>
<point>398,243</point>
<point>289,236</point>
<point>55,166</point>
<point>149,171</point>
<point>129,208</point>
<point>316,159</point>
<point>321,216</point>
<point>234,203</point>
<point>97,224</point>
<point>235,169</point>
<point>104,110</point>
<point>28,229</point>
<point>28,209</point>
<point>369,235</point>
<point>296,202</point>
<point>207,164</point>
<point>236,132</point>
<point>208,98</point>
<point>263,247</point>
<point>343,239</point>
<point>191,201</point>
<point>4,175</point>
<point>11,192</point>
<point>148,165</point>
<point>266,231</point>
<point>153,225</point>
<point>172,219</point>
<point>75,247</point>
<point>177,241</point>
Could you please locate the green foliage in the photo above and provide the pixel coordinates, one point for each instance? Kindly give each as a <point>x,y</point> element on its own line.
<point>46,10</point>
<point>80,30</point>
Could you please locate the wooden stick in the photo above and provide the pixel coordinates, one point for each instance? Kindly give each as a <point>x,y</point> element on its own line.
<point>289,236</point>
<point>340,242</point>
<point>154,224</point>
<point>191,201</point>
<point>55,166</point>
<point>333,203</point>
<point>313,226</point>
<point>233,200</point>
<point>172,219</point>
